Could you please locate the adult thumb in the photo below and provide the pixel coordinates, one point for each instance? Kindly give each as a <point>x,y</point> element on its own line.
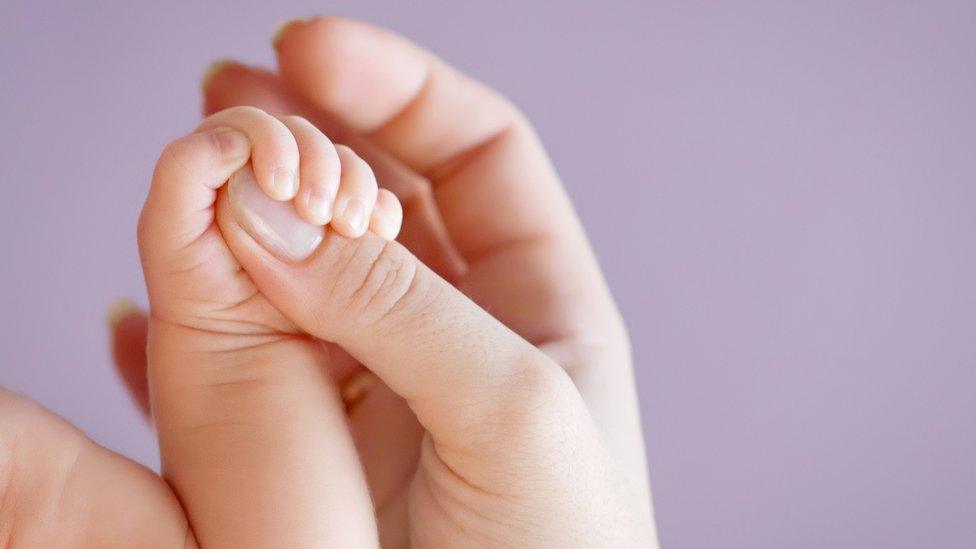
<point>462,372</point>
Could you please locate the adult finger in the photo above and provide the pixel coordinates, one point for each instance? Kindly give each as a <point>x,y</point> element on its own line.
<point>128,326</point>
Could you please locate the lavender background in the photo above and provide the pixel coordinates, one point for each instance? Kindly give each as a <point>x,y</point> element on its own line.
<point>782,194</point>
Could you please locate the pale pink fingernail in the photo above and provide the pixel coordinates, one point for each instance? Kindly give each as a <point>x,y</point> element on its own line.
<point>273,224</point>
<point>285,183</point>
<point>355,215</point>
<point>232,143</point>
<point>320,205</point>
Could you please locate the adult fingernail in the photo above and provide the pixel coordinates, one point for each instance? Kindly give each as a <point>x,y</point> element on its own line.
<point>280,32</point>
<point>274,225</point>
<point>355,389</point>
<point>212,70</point>
<point>320,206</point>
<point>119,310</point>
<point>285,183</point>
<point>283,27</point>
<point>355,215</point>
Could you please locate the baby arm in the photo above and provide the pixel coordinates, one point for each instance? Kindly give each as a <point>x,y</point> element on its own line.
<point>251,428</point>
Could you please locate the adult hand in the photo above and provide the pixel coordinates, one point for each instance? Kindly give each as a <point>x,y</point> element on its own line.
<point>513,449</point>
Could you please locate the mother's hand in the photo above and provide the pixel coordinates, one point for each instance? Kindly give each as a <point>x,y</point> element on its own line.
<point>508,437</point>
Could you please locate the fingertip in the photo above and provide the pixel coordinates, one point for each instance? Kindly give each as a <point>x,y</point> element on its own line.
<point>319,168</point>
<point>119,310</point>
<point>213,70</point>
<point>280,31</point>
<point>284,184</point>
<point>236,84</point>
<point>356,196</point>
<point>360,72</point>
<point>316,203</point>
<point>387,216</point>
<point>352,220</point>
<point>129,327</point>
<point>284,27</point>
<point>276,159</point>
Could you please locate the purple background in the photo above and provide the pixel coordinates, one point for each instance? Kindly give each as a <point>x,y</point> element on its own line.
<point>782,194</point>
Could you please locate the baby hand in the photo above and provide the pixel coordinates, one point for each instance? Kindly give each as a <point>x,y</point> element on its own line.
<point>284,166</point>
<point>247,412</point>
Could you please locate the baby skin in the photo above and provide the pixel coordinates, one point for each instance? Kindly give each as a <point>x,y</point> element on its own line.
<point>228,374</point>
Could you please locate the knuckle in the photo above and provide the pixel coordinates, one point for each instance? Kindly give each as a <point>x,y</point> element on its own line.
<point>386,282</point>
<point>178,153</point>
<point>311,142</point>
<point>540,396</point>
<point>187,154</point>
<point>532,411</point>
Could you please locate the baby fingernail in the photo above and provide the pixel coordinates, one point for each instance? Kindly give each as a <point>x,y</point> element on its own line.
<point>274,225</point>
<point>232,143</point>
<point>355,215</point>
<point>320,206</point>
<point>285,183</point>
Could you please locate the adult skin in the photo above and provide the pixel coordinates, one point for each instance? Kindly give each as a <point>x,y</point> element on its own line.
<point>518,454</point>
